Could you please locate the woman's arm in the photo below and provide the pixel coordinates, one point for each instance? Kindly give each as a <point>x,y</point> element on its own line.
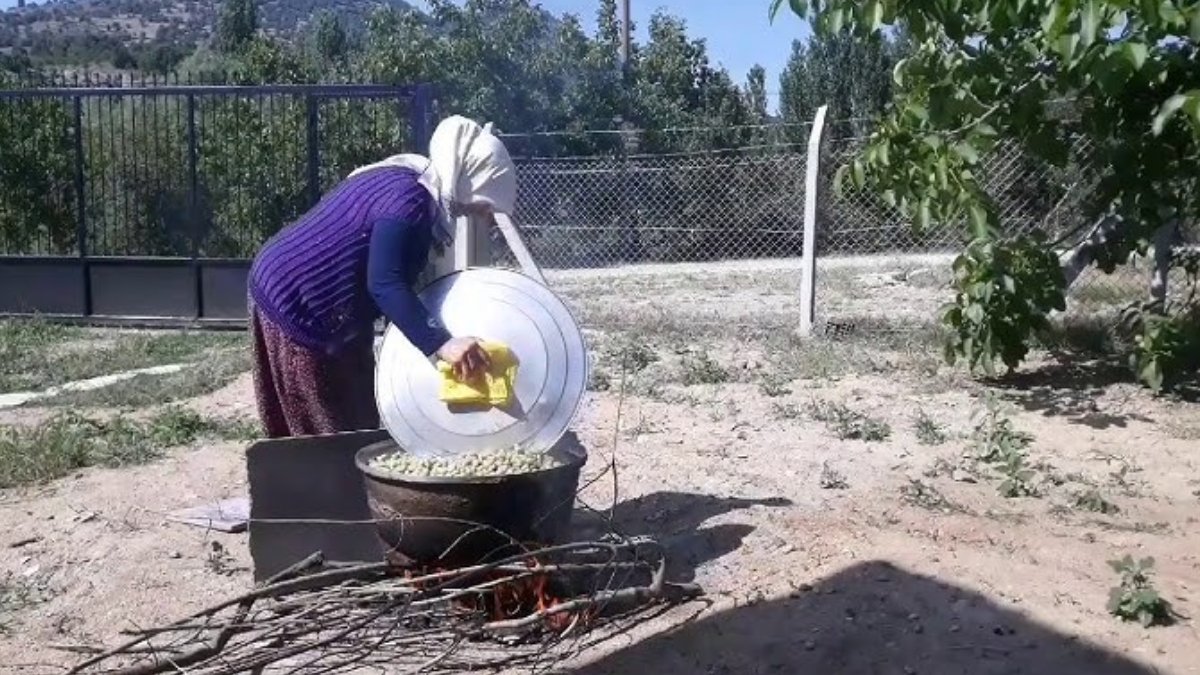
<point>387,280</point>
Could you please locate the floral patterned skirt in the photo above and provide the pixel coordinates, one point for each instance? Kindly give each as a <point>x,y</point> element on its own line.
<point>303,392</point>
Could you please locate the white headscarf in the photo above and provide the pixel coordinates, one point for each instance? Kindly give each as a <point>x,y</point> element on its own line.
<point>467,164</point>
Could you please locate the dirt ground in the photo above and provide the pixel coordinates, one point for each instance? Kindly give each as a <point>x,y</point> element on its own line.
<point>818,551</point>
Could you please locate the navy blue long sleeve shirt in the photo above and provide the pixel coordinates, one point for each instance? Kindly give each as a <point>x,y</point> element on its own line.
<point>398,252</point>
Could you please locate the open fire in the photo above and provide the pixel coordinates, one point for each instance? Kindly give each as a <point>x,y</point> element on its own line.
<point>505,595</point>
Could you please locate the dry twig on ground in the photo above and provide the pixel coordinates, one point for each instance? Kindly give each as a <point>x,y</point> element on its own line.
<point>529,608</point>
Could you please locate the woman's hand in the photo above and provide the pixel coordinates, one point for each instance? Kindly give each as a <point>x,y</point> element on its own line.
<point>465,355</point>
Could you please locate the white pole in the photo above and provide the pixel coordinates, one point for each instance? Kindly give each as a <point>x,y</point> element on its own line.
<point>808,269</point>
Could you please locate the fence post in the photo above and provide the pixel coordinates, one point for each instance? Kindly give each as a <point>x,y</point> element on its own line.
<point>81,207</point>
<point>419,114</point>
<point>808,268</point>
<point>314,153</point>
<point>194,199</point>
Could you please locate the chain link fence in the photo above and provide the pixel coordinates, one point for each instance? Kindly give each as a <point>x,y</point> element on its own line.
<point>874,271</point>
<point>692,227</point>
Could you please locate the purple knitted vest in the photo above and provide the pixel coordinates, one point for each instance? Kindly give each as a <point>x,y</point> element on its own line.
<point>310,278</point>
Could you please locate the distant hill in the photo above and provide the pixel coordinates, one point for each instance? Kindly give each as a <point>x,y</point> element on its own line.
<point>79,31</point>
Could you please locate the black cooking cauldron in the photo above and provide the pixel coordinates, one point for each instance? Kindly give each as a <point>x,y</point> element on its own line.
<point>453,522</point>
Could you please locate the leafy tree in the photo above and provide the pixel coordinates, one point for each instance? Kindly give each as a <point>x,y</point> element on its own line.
<point>37,202</point>
<point>756,94</point>
<point>985,71</point>
<point>852,77</point>
<point>237,25</point>
<point>331,39</point>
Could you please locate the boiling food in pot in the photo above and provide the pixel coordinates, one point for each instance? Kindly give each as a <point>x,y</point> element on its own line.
<point>507,462</point>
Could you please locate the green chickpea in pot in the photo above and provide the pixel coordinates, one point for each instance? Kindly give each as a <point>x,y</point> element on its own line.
<point>507,462</point>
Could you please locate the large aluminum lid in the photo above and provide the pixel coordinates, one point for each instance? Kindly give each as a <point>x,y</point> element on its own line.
<point>490,304</point>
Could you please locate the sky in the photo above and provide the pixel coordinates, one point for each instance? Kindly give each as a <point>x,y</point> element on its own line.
<point>738,33</point>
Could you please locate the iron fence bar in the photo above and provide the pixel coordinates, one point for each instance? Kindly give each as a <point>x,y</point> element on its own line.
<point>314,152</point>
<point>81,207</point>
<point>420,118</point>
<point>194,201</point>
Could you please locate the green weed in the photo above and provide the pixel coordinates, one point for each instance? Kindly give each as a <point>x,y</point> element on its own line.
<point>849,424</point>
<point>927,430</point>
<point>1134,598</point>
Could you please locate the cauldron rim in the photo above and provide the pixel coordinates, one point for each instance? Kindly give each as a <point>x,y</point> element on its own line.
<point>570,462</point>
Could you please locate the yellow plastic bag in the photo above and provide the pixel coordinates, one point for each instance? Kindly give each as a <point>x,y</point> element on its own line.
<point>493,387</point>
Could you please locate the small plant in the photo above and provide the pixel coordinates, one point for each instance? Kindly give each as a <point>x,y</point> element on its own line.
<point>774,386</point>
<point>629,354</point>
<point>1093,501</point>
<point>994,439</point>
<point>1018,478</point>
<point>219,561</point>
<point>700,368</point>
<point>18,593</point>
<point>927,430</point>
<point>832,479</point>
<point>919,493</point>
<point>598,380</point>
<point>787,411</point>
<point>849,424</point>
<point>1134,598</point>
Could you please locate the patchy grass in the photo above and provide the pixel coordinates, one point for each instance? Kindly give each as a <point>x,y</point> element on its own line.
<point>700,368</point>
<point>921,494</point>
<point>18,593</point>
<point>215,371</point>
<point>70,441</point>
<point>35,355</point>
<point>786,411</point>
<point>22,346</point>
<point>928,431</point>
<point>849,424</point>
<point>631,354</point>
<point>1092,500</point>
<point>774,386</point>
<point>879,347</point>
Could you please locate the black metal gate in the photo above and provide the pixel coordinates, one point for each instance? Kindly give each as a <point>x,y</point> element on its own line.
<point>146,204</point>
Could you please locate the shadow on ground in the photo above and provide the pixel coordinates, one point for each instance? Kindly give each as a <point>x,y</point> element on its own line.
<point>1068,388</point>
<point>676,519</point>
<point>872,618</point>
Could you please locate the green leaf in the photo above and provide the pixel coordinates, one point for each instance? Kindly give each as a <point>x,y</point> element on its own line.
<point>1194,26</point>
<point>1066,45</point>
<point>798,7</point>
<point>1135,53</point>
<point>835,20</point>
<point>874,15</point>
<point>774,10</point>
<point>967,152</point>
<point>1090,17</point>
<point>858,173</point>
<point>1170,107</point>
<point>1056,19</point>
<point>979,220</point>
<point>924,215</point>
<point>839,178</point>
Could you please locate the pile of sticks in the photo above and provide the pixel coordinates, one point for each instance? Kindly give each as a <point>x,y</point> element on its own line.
<point>534,608</point>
